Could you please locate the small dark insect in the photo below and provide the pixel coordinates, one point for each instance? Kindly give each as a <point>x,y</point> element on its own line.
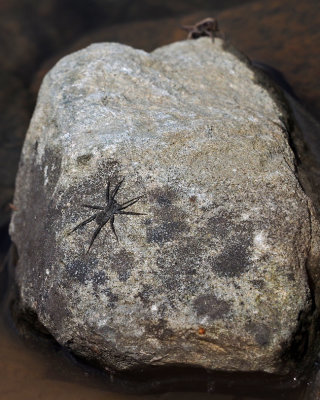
<point>206,27</point>
<point>108,212</point>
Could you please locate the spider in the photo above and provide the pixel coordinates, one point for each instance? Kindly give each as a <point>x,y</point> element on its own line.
<point>206,27</point>
<point>108,212</point>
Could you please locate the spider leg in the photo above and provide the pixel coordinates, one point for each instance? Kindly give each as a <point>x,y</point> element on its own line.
<point>187,28</point>
<point>95,234</point>
<point>115,190</point>
<point>129,203</point>
<point>83,223</point>
<point>108,192</point>
<point>93,207</point>
<point>130,213</point>
<point>112,227</point>
<point>208,32</point>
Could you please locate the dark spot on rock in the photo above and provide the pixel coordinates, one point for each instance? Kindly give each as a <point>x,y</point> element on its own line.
<point>258,283</point>
<point>78,270</point>
<point>84,159</point>
<point>291,277</point>
<point>261,333</point>
<point>234,259</point>
<point>99,278</point>
<point>105,101</point>
<point>163,200</point>
<point>166,232</point>
<point>210,306</point>
<point>169,214</point>
<point>185,259</point>
<point>219,226</point>
<point>178,268</point>
<point>193,199</point>
<point>36,144</point>
<point>113,298</point>
<point>164,196</point>
<point>56,308</point>
<point>52,160</point>
<point>169,220</point>
<point>145,293</point>
<point>122,263</point>
<point>160,330</point>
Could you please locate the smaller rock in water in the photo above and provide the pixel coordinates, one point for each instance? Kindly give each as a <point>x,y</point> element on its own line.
<point>216,272</point>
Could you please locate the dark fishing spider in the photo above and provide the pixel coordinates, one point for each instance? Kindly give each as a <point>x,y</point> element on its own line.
<point>108,212</point>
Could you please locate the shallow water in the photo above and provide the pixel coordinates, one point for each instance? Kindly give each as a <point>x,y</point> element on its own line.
<point>39,369</point>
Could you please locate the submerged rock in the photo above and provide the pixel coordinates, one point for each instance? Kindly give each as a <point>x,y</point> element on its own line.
<point>218,272</point>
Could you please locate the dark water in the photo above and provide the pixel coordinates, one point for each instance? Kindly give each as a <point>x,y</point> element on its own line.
<point>35,37</point>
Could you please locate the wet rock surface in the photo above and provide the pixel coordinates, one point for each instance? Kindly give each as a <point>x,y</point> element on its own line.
<point>217,271</point>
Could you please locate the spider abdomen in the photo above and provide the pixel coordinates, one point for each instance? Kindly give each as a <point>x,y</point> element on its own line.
<point>103,217</point>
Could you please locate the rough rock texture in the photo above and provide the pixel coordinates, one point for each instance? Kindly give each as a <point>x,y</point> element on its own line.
<point>219,272</point>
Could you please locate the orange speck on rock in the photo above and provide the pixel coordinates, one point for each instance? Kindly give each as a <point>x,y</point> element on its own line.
<point>201,331</point>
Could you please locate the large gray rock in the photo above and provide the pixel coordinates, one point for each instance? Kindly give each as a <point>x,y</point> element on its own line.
<point>218,271</point>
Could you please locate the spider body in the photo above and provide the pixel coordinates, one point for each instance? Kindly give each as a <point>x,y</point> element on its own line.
<point>107,213</point>
<point>104,216</point>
